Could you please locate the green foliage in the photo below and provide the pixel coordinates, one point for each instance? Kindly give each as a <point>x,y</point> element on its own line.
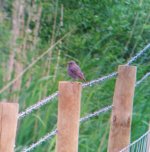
<point>104,35</point>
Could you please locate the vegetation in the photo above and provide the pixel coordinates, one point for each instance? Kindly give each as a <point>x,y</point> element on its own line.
<point>99,35</point>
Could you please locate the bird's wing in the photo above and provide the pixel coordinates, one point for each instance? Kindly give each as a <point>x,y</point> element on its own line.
<point>77,71</point>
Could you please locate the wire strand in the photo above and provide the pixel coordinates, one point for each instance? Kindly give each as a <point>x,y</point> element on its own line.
<point>45,138</point>
<point>147,47</point>
<point>143,78</point>
<point>96,113</point>
<point>109,76</point>
<point>53,133</point>
<point>37,105</point>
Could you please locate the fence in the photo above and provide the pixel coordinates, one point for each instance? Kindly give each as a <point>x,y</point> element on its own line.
<point>68,126</point>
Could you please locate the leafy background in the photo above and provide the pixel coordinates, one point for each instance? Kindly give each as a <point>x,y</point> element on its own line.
<point>99,36</point>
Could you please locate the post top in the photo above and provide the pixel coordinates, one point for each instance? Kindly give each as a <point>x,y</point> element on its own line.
<point>126,65</point>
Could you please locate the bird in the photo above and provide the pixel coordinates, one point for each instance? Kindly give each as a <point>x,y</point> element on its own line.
<point>74,71</point>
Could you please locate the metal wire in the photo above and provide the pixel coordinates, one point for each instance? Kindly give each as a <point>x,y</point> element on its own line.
<point>89,116</point>
<point>51,97</point>
<point>109,76</point>
<point>96,113</point>
<point>53,133</point>
<point>147,47</point>
<point>143,78</point>
<point>45,138</point>
<point>142,144</point>
<point>37,105</point>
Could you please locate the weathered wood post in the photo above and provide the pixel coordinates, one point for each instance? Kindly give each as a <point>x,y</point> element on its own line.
<point>8,126</point>
<point>119,136</point>
<point>68,116</point>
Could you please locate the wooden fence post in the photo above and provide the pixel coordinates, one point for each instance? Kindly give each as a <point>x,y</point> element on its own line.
<point>8,126</point>
<point>68,116</point>
<point>119,136</point>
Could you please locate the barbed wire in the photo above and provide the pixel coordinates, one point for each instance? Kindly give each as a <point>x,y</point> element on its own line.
<point>89,116</point>
<point>92,82</point>
<point>37,105</point>
<point>143,78</point>
<point>45,138</point>
<point>96,113</point>
<point>139,54</point>
<point>53,133</point>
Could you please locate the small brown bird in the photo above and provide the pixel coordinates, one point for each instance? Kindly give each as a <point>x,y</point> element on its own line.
<point>74,71</point>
